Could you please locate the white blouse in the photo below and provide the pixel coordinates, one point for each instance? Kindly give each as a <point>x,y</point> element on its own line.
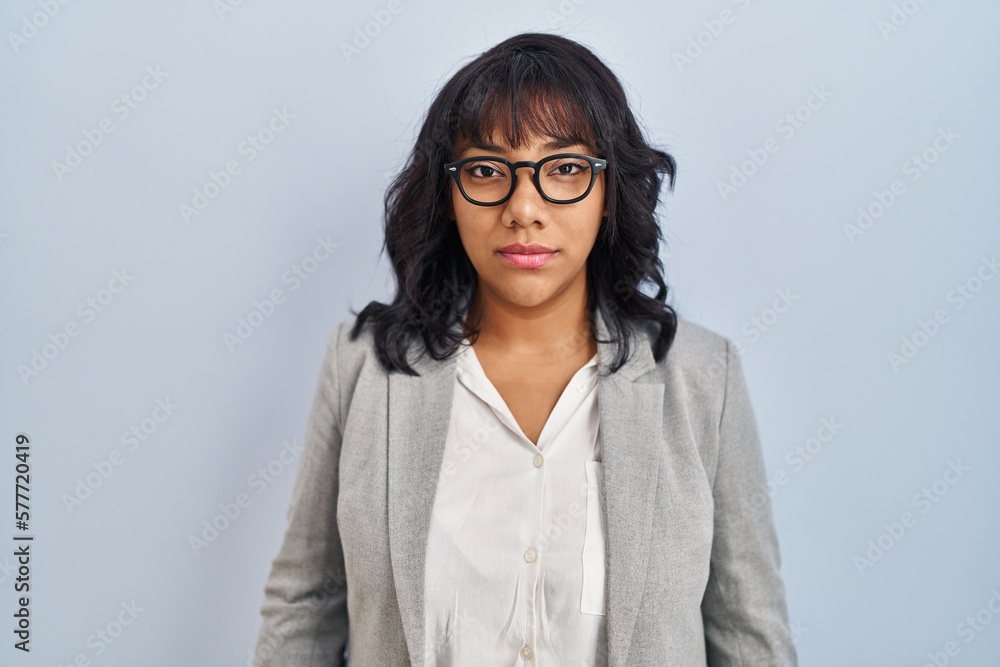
<point>515,563</point>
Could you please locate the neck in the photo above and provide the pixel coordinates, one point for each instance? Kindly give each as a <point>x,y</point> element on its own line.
<point>557,329</point>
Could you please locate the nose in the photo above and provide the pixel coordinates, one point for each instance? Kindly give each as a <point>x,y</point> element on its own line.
<point>525,201</point>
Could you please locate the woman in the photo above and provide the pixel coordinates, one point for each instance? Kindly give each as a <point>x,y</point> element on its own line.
<point>524,459</point>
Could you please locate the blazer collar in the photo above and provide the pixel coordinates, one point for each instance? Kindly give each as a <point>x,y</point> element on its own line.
<point>631,431</point>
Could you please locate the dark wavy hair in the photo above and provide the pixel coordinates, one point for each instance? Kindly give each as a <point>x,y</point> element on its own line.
<point>532,84</point>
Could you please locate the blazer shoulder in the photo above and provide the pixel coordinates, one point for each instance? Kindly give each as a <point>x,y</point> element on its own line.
<point>697,349</point>
<point>345,357</point>
<point>351,352</point>
<point>698,364</point>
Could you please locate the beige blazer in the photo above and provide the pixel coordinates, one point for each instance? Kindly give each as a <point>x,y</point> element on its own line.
<point>693,565</point>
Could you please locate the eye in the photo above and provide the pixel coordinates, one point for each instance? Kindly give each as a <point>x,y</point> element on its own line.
<point>484,170</point>
<point>569,168</point>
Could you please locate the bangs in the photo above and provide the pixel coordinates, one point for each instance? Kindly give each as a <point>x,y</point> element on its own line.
<point>516,109</point>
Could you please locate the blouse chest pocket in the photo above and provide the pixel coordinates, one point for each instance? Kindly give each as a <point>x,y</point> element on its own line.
<point>594,561</point>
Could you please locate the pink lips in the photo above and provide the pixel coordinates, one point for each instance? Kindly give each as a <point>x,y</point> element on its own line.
<point>529,256</point>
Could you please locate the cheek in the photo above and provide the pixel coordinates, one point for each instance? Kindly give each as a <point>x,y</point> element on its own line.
<point>462,209</point>
<point>581,232</point>
<point>476,224</point>
<point>473,233</point>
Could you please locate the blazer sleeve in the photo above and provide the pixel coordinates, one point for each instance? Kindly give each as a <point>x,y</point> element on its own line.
<point>304,612</point>
<point>744,609</point>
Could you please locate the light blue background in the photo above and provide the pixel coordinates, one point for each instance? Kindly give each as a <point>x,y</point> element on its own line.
<point>324,175</point>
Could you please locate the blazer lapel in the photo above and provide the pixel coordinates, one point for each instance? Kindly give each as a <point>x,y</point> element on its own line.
<point>631,416</point>
<point>419,411</point>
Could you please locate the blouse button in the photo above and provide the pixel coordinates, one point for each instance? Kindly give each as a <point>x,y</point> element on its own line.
<point>526,652</point>
<point>530,555</point>
<point>582,387</point>
<point>538,460</point>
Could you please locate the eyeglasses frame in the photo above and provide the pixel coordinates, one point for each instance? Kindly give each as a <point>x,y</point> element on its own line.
<point>597,165</point>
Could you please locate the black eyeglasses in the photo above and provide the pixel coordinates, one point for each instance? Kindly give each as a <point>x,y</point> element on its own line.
<point>563,178</point>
